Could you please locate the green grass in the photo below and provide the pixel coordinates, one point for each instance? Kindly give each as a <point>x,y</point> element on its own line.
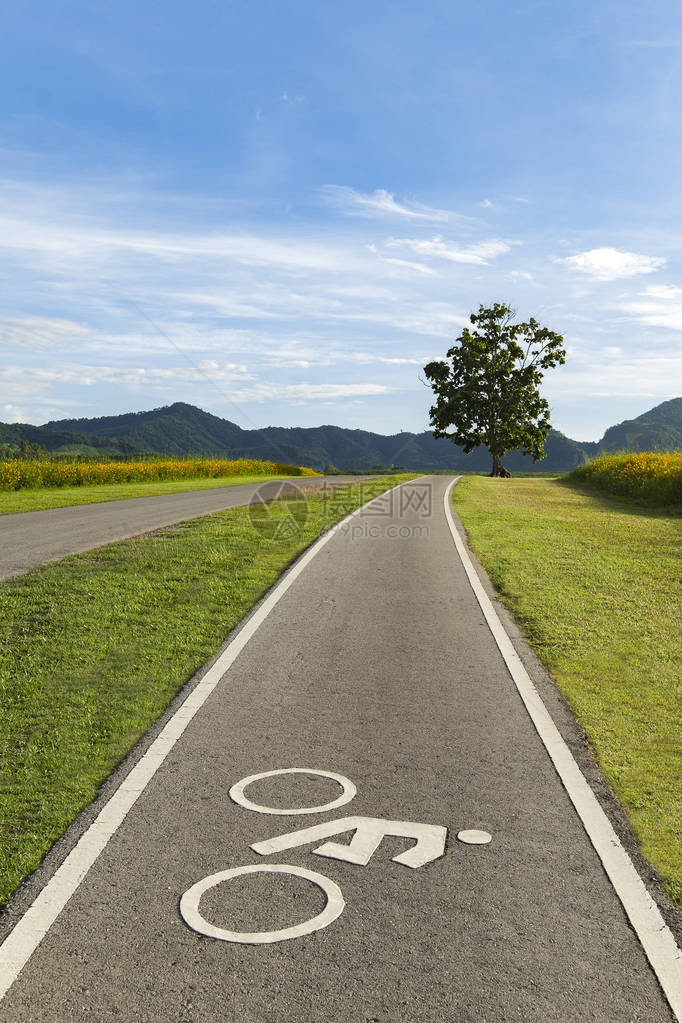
<point>93,648</point>
<point>12,501</point>
<point>595,585</point>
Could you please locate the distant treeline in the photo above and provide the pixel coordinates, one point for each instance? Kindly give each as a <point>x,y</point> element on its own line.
<point>24,450</point>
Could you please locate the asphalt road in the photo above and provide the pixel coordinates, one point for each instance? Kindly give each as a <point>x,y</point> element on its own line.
<point>377,664</point>
<point>35,538</point>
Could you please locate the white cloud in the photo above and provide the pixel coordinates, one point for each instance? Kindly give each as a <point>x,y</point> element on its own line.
<point>657,306</point>
<point>485,204</point>
<point>68,244</point>
<point>329,303</point>
<point>192,282</point>
<point>379,203</point>
<point>36,379</point>
<point>407,264</point>
<point>312,392</point>
<point>478,254</point>
<point>605,375</point>
<point>231,368</point>
<point>387,360</point>
<point>608,264</point>
<point>315,357</point>
<point>288,312</point>
<point>39,332</point>
<point>13,414</point>
<point>16,380</point>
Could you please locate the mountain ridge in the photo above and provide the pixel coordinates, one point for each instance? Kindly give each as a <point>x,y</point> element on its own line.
<point>183,429</point>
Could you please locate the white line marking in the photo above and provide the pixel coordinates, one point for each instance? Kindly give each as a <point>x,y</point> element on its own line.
<point>236,793</point>
<point>189,905</point>
<point>21,943</point>
<point>654,934</point>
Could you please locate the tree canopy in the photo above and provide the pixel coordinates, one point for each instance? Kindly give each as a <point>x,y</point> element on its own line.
<point>487,387</point>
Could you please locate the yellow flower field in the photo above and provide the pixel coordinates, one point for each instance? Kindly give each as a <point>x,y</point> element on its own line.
<point>652,476</point>
<point>19,474</point>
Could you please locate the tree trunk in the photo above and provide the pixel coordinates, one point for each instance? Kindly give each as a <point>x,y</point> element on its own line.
<point>499,469</point>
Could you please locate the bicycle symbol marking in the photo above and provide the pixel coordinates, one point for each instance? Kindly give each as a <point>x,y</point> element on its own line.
<point>236,793</point>
<point>368,833</point>
<point>189,905</point>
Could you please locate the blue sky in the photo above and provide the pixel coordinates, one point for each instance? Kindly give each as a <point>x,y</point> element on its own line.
<point>308,198</point>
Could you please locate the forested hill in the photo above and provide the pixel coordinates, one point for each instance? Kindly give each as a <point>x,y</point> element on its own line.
<point>182,429</point>
<point>659,429</point>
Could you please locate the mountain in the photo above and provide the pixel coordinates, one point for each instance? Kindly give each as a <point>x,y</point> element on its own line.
<point>177,429</point>
<point>659,429</point>
<point>182,429</point>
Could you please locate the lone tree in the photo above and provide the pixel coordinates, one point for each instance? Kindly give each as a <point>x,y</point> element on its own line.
<point>487,387</point>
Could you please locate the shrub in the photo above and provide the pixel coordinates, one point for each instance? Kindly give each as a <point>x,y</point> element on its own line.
<point>16,474</point>
<point>650,476</point>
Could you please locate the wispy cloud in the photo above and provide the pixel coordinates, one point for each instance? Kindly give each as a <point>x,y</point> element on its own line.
<point>39,332</point>
<point>608,373</point>
<point>485,204</point>
<point>73,241</point>
<point>281,313</point>
<point>83,375</point>
<point>406,264</point>
<point>609,264</point>
<point>409,265</point>
<point>478,254</point>
<point>15,380</point>
<point>657,306</point>
<point>379,204</point>
<point>312,392</point>
<point>386,360</point>
<point>13,414</point>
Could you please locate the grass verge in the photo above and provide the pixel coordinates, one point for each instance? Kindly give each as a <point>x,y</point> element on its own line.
<point>79,687</point>
<point>595,586</point>
<point>12,501</point>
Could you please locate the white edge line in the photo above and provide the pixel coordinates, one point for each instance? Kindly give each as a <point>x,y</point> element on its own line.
<point>29,931</point>
<point>654,934</point>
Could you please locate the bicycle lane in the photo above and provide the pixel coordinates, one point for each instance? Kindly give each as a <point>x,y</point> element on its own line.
<point>376,665</point>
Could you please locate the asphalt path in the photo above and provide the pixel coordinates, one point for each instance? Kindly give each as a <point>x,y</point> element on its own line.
<point>30,539</point>
<point>377,664</point>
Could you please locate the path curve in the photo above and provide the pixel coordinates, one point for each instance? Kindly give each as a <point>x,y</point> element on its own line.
<point>29,539</point>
